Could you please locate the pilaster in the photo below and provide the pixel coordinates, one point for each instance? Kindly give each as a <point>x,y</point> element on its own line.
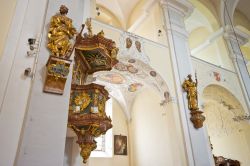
<point>198,151</point>
<point>27,22</point>
<point>44,130</point>
<point>235,39</point>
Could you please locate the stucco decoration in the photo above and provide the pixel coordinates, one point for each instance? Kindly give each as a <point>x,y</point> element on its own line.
<point>220,107</point>
<point>128,78</point>
<point>112,77</point>
<point>135,49</point>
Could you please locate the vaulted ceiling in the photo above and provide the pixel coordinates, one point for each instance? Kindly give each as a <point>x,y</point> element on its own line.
<point>243,6</point>
<point>120,8</point>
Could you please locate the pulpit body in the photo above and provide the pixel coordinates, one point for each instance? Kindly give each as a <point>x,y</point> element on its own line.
<point>87,115</point>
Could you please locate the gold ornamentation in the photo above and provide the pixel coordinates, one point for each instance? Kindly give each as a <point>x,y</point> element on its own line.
<point>91,121</point>
<point>58,69</point>
<point>86,150</point>
<point>191,88</point>
<point>82,100</point>
<point>197,118</point>
<point>57,72</point>
<point>60,32</point>
<point>89,27</point>
<point>87,115</point>
<point>95,52</point>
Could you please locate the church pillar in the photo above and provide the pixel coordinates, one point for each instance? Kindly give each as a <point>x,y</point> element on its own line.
<point>44,130</point>
<point>234,40</point>
<point>27,22</point>
<point>198,149</point>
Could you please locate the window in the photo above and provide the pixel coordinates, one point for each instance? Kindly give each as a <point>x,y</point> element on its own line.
<point>104,142</point>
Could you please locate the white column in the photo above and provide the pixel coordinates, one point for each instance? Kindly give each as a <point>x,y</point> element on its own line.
<point>235,39</point>
<point>14,86</point>
<point>45,126</point>
<point>198,150</point>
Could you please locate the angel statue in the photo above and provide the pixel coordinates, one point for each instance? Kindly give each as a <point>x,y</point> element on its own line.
<point>60,32</point>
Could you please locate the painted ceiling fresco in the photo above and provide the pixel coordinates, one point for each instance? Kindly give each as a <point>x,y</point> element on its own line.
<point>131,75</point>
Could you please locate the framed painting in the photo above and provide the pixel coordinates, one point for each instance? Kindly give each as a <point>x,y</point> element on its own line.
<point>120,145</point>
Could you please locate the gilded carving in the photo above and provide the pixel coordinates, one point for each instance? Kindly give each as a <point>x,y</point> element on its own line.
<point>59,69</point>
<point>57,72</point>
<point>60,32</point>
<point>191,88</point>
<point>82,101</point>
<point>87,115</point>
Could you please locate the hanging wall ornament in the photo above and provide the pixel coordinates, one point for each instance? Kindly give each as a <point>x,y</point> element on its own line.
<point>60,32</point>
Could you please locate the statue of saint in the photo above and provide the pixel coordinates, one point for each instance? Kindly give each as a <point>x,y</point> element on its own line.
<point>191,88</point>
<point>60,32</point>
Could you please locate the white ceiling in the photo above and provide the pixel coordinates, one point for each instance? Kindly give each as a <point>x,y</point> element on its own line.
<point>120,8</point>
<point>196,20</point>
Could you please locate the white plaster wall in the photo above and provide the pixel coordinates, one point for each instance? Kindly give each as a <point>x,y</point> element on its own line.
<point>68,151</point>
<point>151,24</point>
<point>231,145</point>
<point>151,133</point>
<point>14,87</point>
<point>7,10</point>
<point>160,61</point>
<point>229,79</point>
<point>234,146</point>
<point>44,135</point>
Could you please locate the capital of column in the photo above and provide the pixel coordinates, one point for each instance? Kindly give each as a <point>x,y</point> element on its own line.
<point>184,7</point>
<point>236,35</point>
<point>175,11</point>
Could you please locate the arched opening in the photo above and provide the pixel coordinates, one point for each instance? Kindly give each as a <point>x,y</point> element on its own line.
<point>230,138</point>
<point>206,37</point>
<point>153,133</point>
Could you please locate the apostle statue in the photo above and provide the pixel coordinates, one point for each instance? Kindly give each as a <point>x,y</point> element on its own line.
<point>61,31</point>
<point>191,88</point>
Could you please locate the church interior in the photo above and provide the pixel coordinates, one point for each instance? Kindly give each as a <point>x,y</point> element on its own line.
<point>125,83</point>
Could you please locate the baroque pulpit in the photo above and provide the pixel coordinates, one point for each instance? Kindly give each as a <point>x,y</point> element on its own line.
<point>87,116</point>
